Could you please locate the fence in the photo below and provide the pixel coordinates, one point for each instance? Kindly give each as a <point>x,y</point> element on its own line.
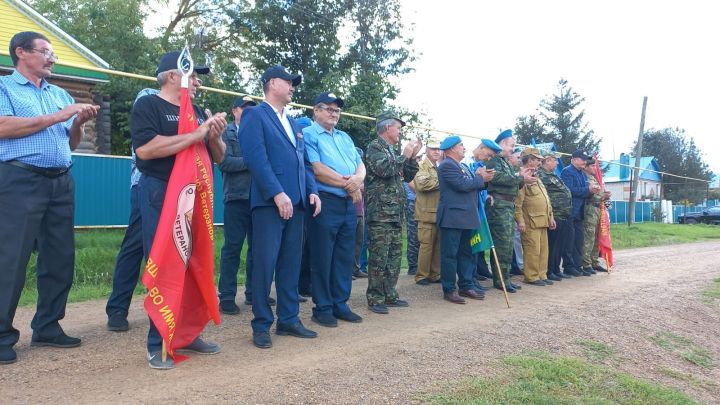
<point>620,211</point>
<point>102,191</point>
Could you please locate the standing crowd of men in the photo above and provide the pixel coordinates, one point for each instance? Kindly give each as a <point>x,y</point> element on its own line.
<point>300,195</point>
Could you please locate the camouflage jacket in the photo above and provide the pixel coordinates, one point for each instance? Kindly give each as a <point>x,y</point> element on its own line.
<point>506,180</point>
<point>559,194</point>
<point>594,199</point>
<point>384,192</point>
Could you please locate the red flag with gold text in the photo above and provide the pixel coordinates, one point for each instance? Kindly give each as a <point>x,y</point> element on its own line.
<point>179,276</point>
<point>604,241</point>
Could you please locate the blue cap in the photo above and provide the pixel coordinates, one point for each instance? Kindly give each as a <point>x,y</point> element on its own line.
<point>504,134</point>
<point>279,72</point>
<point>329,98</point>
<point>492,145</point>
<point>303,122</point>
<point>449,142</point>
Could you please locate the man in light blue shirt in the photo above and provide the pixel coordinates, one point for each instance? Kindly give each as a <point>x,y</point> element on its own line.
<point>340,175</point>
<point>39,125</point>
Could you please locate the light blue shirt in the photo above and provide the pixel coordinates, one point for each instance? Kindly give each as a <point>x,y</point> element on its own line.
<point>49,147</point>
<point>336,151</point>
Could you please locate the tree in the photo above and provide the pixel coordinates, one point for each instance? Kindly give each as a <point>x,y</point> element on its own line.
<point>677,155</point>
<point>559,120</point>
<point>113,29</point>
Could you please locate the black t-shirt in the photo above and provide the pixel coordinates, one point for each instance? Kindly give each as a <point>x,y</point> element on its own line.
<point>152,116</point>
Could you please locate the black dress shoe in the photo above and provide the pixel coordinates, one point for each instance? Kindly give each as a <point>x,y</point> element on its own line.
<point>573,272</point>
<point>62,340</point>
<point>297,330</point>
<point>422,281</point>
<point>325,320</point>
<point>508,288</point>
<point>563,275</point>
<point>359,274</point>
<point>7,355</point>
<point>349,316</point>
<point>600,268</point>
<point>589,270</point>
<point>262,340</point>
<point>554,277</point>
<point>117,322</point>
<point>538,283</point>
<point>379,308</point>
<point>515,286</point>
<point>472,294</point>
<point>585,273</point>
<point>398,303</point>
<point>548,282</point>
<point>228,307</point>
<point>453,297</point>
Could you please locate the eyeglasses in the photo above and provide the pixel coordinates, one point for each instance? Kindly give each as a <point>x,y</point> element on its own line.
<point>330,109</point>
<point>46,53</point>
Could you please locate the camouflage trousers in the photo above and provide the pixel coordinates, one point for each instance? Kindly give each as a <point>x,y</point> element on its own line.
<point>385,254</point>
<point>501,219</point>
<point>590,246</point>
<point>413,245</point>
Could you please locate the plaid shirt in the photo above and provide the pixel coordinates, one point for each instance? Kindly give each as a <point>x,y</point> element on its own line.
<point>49,147</point>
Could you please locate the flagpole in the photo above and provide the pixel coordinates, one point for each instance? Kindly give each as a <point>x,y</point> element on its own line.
<point>607,263</point>
<point>502,281</point>
<point>164,351</point>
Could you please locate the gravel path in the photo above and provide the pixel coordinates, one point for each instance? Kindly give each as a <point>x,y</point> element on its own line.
<point>397,358</point>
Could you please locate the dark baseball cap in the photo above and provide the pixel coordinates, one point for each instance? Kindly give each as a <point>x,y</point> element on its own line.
<point>243,102</point>
<point>329,98</point>
<point>169,62</point>
<point>580,154</point>
<point>279,72</point>
<point>388,115</point>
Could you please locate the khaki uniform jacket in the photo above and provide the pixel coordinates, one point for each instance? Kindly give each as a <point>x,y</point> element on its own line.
<point>532,206</point>
<point>427,192</point>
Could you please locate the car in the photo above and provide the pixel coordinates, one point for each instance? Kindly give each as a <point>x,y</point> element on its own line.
<point>707,216</point>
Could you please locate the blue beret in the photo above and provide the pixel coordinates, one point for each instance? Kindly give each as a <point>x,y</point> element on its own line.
<point>303,122</point>
<point>449,142</point>
<point>504,134</point>
<point>492,145</point>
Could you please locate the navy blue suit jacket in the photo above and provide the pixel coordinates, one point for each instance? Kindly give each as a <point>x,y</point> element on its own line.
<point>458,207</point>
<point>275,164</point>
<point>576,181</point>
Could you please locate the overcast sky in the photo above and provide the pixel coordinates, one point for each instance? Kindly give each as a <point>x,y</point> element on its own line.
<point>484,63</point>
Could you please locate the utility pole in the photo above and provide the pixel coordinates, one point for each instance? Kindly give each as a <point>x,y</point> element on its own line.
<point>636,171</point>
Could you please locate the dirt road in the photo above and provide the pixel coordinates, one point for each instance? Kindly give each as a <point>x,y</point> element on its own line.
<point>395,358</point>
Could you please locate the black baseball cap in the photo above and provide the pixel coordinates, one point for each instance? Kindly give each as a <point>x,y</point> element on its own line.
<point>329,98</point>
<point>580,154</point>
<point>243,102</point>
<point>279,72</point>
<point>169,62</point>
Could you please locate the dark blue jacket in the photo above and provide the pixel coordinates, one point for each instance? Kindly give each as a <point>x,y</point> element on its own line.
<point>577,182</point>
<point>458,206</point>
<point>275,164</point>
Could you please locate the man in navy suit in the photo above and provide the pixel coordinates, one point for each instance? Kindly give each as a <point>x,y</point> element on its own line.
<point>281,191</point>
<point>457,217</point>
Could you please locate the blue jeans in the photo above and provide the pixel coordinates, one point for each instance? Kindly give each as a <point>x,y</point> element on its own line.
<point>151,195</point>
<point>332,249</point>
<point>127,266</point>
<point>238,227</point>
<point>456,259</point>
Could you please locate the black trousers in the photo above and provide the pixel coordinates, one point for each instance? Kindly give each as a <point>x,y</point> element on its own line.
<point>560,245</point>
<point>35,209</point>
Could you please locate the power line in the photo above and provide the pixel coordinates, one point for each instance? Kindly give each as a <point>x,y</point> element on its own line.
<point>346,114</point>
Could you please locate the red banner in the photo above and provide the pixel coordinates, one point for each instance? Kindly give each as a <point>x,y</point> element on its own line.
<point>604,241</point>
<point>179,276</point>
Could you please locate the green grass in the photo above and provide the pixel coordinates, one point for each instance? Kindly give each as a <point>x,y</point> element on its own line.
<point>657,234</point>
<point>712,293</point>
<point>596,351</point>
<point>542,378</point>
<point>96,250</point>
<point>689,379</point>
<point>685,348</point>
<point>95,254</point>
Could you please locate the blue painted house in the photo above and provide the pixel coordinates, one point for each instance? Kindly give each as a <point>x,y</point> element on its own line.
<point>617,178</point>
